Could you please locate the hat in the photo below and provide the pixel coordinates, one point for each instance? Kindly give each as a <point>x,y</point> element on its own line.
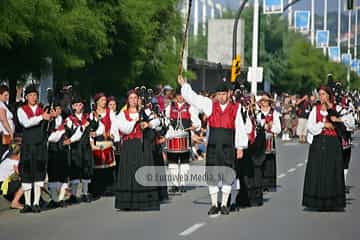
<point>76,99</point>
<point>98,96</point>
<point>31,89</point>
<point>266,97</point>
<point>168,88</point>
<point>223,87</point>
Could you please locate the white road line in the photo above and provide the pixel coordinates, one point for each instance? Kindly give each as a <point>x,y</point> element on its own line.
<point>282,175</point>
<point>214,216</point>
<point>192,229</point>
<point>299,164</point>
<point>291,170</point>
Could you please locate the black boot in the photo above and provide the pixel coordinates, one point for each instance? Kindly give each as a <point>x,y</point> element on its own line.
<point>86,198</point>
<point>26,209</point>
<point>213,210</point>
<point>36,209</point>
<point>224,210</point>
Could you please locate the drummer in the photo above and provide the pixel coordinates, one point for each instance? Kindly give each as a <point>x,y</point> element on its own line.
<point>226,133</point>
<point>182,116</point>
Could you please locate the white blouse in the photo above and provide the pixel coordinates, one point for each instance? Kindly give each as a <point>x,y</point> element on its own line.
<point>9,117</point>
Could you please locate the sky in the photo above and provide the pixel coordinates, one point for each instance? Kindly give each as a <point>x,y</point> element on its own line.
<point>301,5</point>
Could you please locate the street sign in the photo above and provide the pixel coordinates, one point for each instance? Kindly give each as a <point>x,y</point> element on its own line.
<point>346,58</point>
<point>322,38</point>
<point>273,6</point>
<point>255,74</point>
<point>302,21</point>
<point>334,54</point>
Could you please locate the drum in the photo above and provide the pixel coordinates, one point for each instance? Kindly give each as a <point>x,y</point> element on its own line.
<point>103,153</point>
<point>178,143</point>
<point>269,143</point>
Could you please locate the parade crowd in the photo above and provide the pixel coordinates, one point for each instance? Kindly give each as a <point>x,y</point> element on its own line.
<point>70,151</point>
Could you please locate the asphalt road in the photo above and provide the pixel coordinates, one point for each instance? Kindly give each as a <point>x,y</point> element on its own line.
<point>185,216</point>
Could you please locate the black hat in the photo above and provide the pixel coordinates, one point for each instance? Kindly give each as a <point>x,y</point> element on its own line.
<point>76,99</point>
<point>223,87</point>
<point>30,89</point>
<point>57,103</point>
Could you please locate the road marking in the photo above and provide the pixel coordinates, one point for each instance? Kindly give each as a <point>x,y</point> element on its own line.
<point>291,170</point>
<point>282,175</point>
<point>214,215</point>
<point>192,229</point>
<point>299,164</point>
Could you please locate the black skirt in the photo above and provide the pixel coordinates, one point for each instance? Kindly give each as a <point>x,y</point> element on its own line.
<point>269,172</point>
<point>129,194</point>
<point>33,162</point>
<point>57,164</point>
<point>251,179</point>
<point>324,186</point>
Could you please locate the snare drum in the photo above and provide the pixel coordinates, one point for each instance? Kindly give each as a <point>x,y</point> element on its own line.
<point>269,143</point>
<point>178,144</point>
<point>103,153</point>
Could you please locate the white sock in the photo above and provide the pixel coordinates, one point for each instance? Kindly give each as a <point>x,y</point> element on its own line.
<point>74,187</point>
<point>174,171</point>
<point>214,198</point>
<point>184,171</point>
<point>37,193</point>
<point>345,173</point>
<point>225,198</point>
<point>85,187</point>
<point>27,195</point>
<point>62,192</point>
<point>26,187</point>
<point>234,194</point>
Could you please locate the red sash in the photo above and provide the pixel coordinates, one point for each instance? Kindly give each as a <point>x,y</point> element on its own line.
<point>29,112</point>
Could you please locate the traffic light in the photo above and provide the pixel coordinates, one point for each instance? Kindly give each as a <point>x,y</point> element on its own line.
<point>235,68</point>
<point>350,4</point>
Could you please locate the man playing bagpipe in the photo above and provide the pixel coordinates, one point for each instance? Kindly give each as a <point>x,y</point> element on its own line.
<point>81,158</point>
<point>33,158</point>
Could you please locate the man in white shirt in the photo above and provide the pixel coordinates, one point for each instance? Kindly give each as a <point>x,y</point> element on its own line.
<point>226,133</point>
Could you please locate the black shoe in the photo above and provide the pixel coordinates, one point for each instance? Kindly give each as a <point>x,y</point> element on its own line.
<point>224,210</point>
<point>36,209</point>
<point>233,208</point>
<point>183,189</point>
<point>86,198</point>
<point>174,189</point>
<point>26,209</point>
<point>213,210</point>
<point>74,200</point>
<point>63,204</point>
<point>52,205</point>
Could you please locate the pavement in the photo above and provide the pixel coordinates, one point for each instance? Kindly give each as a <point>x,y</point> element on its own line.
<point>185,216</point>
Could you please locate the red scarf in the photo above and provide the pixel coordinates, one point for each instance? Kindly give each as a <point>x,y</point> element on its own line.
<point>29,112</point>
<point>78,122</point>
<point>107,121</point>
